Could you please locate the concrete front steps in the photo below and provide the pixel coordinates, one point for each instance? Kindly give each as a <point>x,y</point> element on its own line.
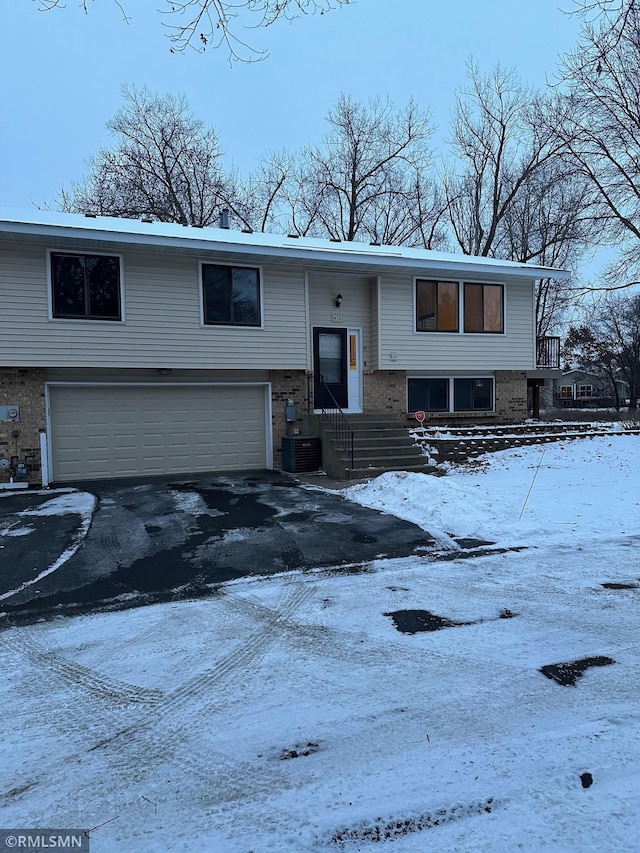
<point>381,443</point>
<point>384,442</point>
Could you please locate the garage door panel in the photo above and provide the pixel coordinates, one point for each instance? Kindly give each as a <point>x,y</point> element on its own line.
<point>118,431</point>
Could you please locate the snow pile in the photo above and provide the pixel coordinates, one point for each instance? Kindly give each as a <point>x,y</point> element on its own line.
<point>82,503</point>
<point>556,494</point>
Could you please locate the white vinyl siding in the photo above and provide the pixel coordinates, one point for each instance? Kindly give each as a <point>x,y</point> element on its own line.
<point>110,431</point>
<point>162,327</point>
<point>354,311</point>
<point>373,362</point>
<point>454,351</point>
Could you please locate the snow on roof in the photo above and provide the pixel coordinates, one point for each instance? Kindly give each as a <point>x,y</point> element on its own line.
<point>134,231</point>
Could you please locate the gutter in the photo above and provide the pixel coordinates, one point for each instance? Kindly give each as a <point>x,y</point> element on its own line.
<point>256,244</point>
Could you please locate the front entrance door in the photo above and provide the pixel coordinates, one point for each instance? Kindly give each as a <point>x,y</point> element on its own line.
<point>337,365</point>
<point>330,368</point>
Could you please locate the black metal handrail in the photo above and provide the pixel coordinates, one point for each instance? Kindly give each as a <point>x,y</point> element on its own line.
<point>340,426</point>
<point>548,352</point>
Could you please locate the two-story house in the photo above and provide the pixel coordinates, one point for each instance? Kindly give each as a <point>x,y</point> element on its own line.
<point>136,348</point>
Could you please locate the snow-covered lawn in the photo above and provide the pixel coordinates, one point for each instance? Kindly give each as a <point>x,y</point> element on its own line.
<point>289,714</point>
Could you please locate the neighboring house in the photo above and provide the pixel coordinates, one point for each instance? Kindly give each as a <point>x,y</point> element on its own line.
<point>582,389</point>
<point>132,347</point>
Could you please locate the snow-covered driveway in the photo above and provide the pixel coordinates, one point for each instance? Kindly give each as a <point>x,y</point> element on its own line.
<point>289,714</point>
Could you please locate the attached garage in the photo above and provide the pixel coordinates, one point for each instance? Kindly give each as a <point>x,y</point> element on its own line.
<point>105,431</point>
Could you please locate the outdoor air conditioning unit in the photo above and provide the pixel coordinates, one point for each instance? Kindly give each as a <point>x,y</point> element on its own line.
<point>301,453</point>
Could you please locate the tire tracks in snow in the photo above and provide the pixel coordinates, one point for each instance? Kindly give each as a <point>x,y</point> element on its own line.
<point>163,727</point>
<point>208,687</point>
<point>77,675</point>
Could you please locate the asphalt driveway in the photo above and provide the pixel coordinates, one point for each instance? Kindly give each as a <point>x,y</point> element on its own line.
<point>125,543</point>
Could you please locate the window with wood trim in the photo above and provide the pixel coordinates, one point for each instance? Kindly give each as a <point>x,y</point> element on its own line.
<point>484,308</point>
<point>85,287</point>
<point>437,306</point>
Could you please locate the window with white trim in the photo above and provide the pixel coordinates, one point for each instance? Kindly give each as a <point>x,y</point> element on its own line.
<point>584,391</point>
<point>437,306</point>
<point>484,308</point>
<point>450,394</point>
<point>442,306</point>
<point>231,295</point>
<point>85,286</point>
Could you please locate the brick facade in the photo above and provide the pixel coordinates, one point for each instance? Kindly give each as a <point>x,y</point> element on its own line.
<point>23,387</point>
<point>286,385</point>
<point>385,391</point>
<point>511,395</point>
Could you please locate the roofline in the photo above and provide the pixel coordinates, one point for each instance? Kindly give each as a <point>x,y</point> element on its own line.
<point>260,243</point>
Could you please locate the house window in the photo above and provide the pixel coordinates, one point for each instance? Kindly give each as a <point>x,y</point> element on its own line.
<point>436,306</point>
<point>566,392</point>
<point>85,287</point>
<point>449,394</point>
<point>484,308</point>
<point>584,391</point>
<point>472,394</point>
<point>231,295</point>
<point>429,395</point>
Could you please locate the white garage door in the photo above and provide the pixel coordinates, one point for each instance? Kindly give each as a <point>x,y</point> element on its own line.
<point>120,431</point>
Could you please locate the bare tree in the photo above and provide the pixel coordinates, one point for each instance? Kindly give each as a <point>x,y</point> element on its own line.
<point>198,24</point>
<point>165,165</point>
<point>598,120</point>
<point>551,223</point>
<point>511,192</point>
<point>609,342</point>
<point>499,147</point>
<point>370,177</point>
<point>261,202</point>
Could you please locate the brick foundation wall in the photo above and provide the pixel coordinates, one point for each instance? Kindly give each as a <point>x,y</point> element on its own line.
<point>287,385</point>
<point>511,395</point>
<point>385,391</point>
<point>23,387</point>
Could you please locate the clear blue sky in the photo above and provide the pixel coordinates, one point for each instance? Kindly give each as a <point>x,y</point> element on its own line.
<point>62,71</point>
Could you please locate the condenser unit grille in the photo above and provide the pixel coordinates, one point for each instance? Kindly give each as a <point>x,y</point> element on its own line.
<point>301,453</point>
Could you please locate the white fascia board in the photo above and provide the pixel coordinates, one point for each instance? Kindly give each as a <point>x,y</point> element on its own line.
<point>300,249</point>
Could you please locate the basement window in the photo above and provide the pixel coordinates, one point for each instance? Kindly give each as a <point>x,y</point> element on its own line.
<point>450,394</point>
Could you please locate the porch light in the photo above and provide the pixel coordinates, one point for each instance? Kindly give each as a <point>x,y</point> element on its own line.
<point>338,300</point>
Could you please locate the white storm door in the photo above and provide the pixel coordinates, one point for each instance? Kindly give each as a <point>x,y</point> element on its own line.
<point>354,369</point>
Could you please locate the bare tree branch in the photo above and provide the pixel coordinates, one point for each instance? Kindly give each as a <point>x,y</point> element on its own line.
<point>199,24</point>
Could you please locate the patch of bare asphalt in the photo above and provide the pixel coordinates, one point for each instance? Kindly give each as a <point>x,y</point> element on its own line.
<point>166,540</point>
<point>567,674</point>
<point>380,830</point>
<point>419,621</point>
